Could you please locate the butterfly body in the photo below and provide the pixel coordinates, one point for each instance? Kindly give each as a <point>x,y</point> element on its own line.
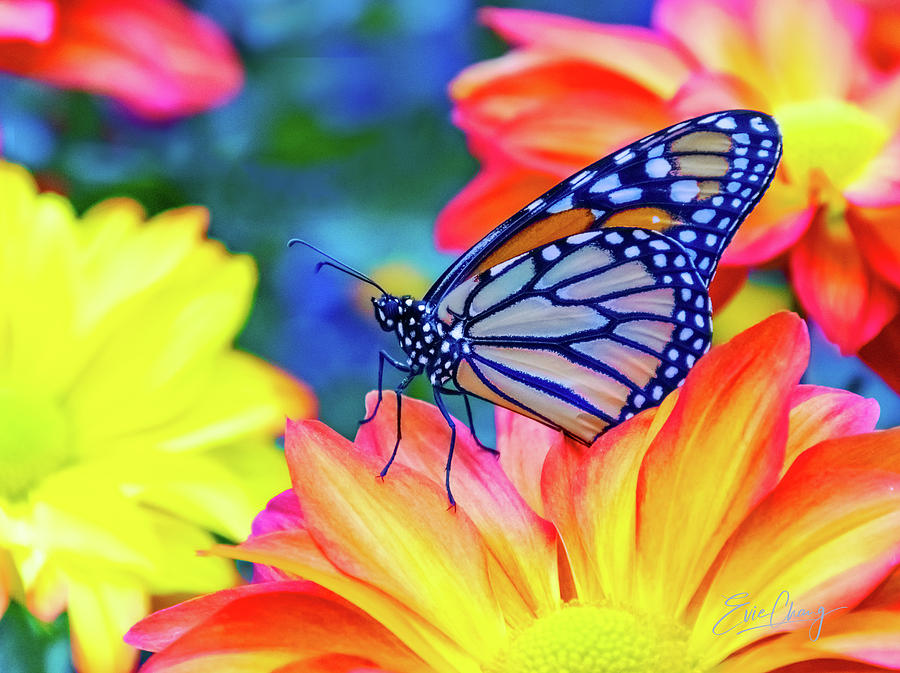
<point>591,303</point>
<point>431,346</point>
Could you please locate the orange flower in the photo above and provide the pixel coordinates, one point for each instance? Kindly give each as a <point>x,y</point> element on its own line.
<point>572,91</point>
<point>156,56</point>
<point>629,554</point>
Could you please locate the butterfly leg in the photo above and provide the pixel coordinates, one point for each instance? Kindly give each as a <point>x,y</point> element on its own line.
<point>450,391</point>
<point>382,358</point>
<point>447,417</point>
<point>399,391</point>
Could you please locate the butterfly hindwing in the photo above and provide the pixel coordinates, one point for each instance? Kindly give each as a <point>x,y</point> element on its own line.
<point>583,332</point>
<point>695,182</point>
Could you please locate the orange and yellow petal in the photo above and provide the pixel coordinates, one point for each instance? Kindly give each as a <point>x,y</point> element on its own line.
<point>521,545</point>
<point>265,626</point>
<point>835,285</point>
<point>641,54</point>
<point>828,534</point>
<point>397,536</point>
<point>523,445</point>
<point>705,469</point>
<point>819,413</point>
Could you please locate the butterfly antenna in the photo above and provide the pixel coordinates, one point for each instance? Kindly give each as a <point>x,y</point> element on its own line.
<point>337,264</point>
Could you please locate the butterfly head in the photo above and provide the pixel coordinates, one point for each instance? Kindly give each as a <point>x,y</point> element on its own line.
<point>388,311</point>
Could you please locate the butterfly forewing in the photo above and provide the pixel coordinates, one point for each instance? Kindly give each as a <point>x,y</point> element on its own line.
<point>695,182</point>
<point>585,331</point>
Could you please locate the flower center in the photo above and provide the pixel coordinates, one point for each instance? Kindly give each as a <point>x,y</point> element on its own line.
<point>33,441</point>
<point>831,137</point>
<point>596,639</point>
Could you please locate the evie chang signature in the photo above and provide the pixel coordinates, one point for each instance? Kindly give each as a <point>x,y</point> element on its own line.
<point>768,618</point>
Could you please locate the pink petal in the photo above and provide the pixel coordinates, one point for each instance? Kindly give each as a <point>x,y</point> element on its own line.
<point>836,287</point>
<point>30,20</point>
<point>819,413</point>
<point>523,445</point>
<point>644,55</point>
<point>158,57</point>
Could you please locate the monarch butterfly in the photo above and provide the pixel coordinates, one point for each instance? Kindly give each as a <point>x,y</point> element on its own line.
<point>591,303</point>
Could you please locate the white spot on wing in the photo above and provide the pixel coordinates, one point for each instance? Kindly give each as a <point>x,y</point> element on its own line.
<point>658,168</point>
<point>550,253</point>
<point>625,195</point>
<point>726,123</point>
<point>683,191</point>
<point>606,183</point>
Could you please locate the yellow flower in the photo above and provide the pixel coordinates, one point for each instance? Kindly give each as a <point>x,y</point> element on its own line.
<point>131,427</point>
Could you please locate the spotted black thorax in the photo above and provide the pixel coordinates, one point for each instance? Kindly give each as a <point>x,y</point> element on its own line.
<point>428,344</point>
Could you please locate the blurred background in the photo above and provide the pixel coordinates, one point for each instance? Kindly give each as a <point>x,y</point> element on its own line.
<point>341,135</point>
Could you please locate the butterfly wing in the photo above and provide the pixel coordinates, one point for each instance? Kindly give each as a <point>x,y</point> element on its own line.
<point>583,332</point>
<point>695,181</point>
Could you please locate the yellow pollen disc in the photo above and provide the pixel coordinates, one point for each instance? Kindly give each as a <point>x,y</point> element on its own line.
<point>831,138</point>
<point>594,639</point>
<point>33,442</point>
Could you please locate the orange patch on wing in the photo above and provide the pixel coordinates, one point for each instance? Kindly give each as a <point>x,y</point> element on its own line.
<point>552,228</point>
<point>702,165</point>
<point>702,141</point>
<point>643,218</point>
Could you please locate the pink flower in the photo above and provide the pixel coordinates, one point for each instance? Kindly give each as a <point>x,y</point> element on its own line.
<point>158,57</point>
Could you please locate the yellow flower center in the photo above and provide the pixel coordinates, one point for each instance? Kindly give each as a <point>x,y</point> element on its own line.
<point>596,639</point>
<point>33,440</point>
<point>831,137</point>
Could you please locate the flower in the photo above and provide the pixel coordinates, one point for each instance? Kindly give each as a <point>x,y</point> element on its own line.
<point>572,91</point>
<point>617,557</point>
<point>132,429</point>
<point>158,57</point>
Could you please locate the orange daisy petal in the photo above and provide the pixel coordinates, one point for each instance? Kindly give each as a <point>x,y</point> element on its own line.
<point>362,525</point>
<point>523,445</point>
<point>796,38</point>
<point>716,34</point>
<point>834,284</point>
<point>863,639</point>
<point>886,596</point>
<point>875,229</point>
<point>499,190</point>
<point>243,635</point>
<point>776,224</point>
<point>639,53</point>
<point>719,452</point>
<point>712,91</point>
<point>522,543</point>
<point>828,534</point>
<point>819,413</point>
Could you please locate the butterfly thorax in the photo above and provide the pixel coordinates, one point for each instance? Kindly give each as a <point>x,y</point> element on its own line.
<point>429,344</point>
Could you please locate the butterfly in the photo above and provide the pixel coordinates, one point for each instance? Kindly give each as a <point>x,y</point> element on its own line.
<point>591,303</point>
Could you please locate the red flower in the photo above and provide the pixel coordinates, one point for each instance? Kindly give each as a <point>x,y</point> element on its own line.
<point>572,91</point>
<point>156,56</point>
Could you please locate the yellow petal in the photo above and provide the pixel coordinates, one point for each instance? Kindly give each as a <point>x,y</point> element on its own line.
<point>102,607</point>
